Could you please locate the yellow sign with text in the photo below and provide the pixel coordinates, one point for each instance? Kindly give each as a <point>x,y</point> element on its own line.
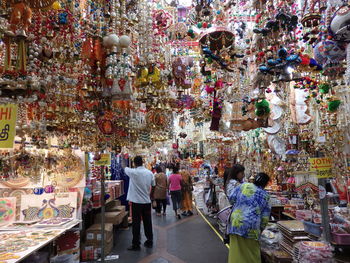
<point>105,160</point>
<point>8,117</point>
<point>323,166</point>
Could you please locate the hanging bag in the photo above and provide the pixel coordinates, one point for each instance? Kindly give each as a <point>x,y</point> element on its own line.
<point>224,218</point>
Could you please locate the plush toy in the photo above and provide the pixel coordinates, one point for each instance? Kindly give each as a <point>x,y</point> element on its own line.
<point>21,16</point>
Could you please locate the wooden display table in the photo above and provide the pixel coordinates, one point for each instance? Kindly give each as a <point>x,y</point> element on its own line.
<point>59,231</point>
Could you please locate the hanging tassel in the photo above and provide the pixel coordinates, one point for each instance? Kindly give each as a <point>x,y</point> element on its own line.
<point>87,47</point>
<point>7,65</point>
<point>98,50</point>
<point>347,73</point>
<point>21,56</point>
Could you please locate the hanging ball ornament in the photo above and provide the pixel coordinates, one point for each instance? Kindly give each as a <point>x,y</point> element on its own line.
<point>111,40</point>
<point>56,6</point>
<point>338,28</point>
<point>124,41</point>
<point>329,51</point>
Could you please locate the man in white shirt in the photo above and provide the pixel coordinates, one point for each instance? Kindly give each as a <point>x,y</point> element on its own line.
<point>140,185</point>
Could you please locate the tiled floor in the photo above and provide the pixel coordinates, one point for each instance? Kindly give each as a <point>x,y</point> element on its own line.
<point>189,240</point>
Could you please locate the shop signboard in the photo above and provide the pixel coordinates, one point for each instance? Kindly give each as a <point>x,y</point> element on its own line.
<point>8,117</point>
<point>105,160</point>
<point>323,166</point>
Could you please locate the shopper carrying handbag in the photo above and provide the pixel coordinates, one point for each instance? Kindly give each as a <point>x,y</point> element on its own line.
<point>233,177</point>
<point>175,190</point>
<point>250,215</point>
<point>186,191</point>
<point>160,191</point>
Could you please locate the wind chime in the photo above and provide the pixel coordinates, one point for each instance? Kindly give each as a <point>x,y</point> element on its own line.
<point>118,61</point>
<point>19,21</point>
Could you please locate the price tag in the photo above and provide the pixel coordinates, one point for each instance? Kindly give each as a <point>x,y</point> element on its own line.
<point>8,117</point>
<point>105,160</point>
<point>90,236</point>
<point>323,166</point>
<point>321,139</point>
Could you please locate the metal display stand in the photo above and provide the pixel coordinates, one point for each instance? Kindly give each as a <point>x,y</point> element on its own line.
<point>103,210</point>
<point>324,212</point>
<point>103,223</point>
<point>324,206</point>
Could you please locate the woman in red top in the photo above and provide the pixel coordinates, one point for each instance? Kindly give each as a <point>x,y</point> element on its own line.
<point>175,190</point>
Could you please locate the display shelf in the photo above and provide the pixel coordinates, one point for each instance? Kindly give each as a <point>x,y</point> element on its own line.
<point>24,254</point>
<point>289,215</point>
<point>106,202</point>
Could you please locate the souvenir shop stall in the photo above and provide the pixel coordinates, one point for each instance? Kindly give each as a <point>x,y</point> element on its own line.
<point>84,84</point>
<point>41,193</point>
<point>105,207</point>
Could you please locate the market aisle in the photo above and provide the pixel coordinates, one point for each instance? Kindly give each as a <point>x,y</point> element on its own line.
<point>189,240</point>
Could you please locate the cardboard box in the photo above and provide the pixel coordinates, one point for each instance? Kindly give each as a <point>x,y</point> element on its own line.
<point>88,253</point>
<point>125,223</point>
<point>69,243</point>
<point>93,252</point>
<point>93,233</point>
<point>113,203</point>
<point>114,218</point>
<point>121,216</point>
<point>116,208</point>
<point>108,248</point>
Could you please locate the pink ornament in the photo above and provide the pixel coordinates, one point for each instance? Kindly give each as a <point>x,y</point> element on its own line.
<point>219,84</point>
<point>209,89</point>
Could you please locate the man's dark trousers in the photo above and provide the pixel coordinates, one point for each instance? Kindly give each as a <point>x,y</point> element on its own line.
<point>143,211</point>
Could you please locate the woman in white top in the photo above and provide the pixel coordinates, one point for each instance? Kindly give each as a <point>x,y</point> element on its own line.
<point>233,177</point>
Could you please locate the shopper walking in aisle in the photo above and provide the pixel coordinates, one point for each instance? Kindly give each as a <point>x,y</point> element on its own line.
<point>233,177</point>
<point>141,182</point>
<point>175,190</point>
<point>186,190</point>
<point>250,214</point>
<point>160,190</point>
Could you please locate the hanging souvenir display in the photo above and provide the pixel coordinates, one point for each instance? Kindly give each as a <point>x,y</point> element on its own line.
<point>202,84</point>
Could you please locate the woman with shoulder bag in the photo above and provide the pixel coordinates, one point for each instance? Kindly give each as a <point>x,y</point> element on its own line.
<point>160,191</point>
<point>250,215</point>
<point>175,190</point>
<point>186,190</point>
<point>233,177</point>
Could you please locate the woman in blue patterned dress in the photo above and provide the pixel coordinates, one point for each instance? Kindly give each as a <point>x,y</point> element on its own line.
<point>250,214</point>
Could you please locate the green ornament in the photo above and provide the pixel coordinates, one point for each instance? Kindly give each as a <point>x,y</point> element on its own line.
<point>262,104</point>
<point>190,31</point>
<point>262,108</point>
<point>209,25</point>
<point>193,36</point>
<point>199,25</point>
<point>259,112</point>
<point>324,88</point>
<point>333,105</point>
<point>209,60</point>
